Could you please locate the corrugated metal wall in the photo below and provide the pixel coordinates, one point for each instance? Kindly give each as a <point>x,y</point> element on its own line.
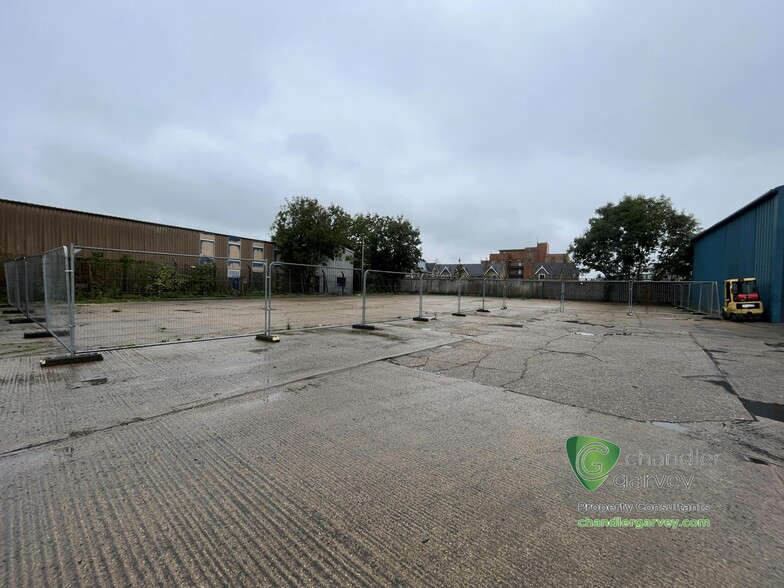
<point>28,229</point>
<point>748,244</point>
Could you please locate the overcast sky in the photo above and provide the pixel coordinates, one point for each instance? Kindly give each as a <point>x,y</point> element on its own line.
<point>488,124</point>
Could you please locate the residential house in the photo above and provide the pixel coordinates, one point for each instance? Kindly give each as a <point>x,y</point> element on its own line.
<point>557,271</point>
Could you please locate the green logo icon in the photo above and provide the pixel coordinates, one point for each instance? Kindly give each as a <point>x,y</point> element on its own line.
<point>592,459</point>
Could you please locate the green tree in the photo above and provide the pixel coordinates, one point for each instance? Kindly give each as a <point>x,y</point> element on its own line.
<point>636,235</point>
<point>390,243</point>
<point>676,253</point>
<point>306,232</point>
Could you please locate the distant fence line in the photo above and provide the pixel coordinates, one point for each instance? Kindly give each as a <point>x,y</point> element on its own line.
<point>70,291</point>
<point>680,294</point>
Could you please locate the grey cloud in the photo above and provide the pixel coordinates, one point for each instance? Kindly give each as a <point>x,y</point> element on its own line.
<point>487,125</point>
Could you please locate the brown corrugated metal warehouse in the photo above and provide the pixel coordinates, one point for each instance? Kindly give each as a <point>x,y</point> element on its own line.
<point>29,229</point>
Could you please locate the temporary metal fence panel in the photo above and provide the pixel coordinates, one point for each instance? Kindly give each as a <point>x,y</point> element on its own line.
<point>306,296</point>
<point>94,299</point>
<point>33,293</point>
<point>55,265</point>
<point>474,293</point>
<point>654,296</point>
<point>479,294</point>
<point>128,298</point>
<point>39,286</point>
<point>13,282</point>
<point>385,298</point>
<point>700,297</point>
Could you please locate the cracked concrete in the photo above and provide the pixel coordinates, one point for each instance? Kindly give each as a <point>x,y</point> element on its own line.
<point>649,367</point>
<point>647,374</point>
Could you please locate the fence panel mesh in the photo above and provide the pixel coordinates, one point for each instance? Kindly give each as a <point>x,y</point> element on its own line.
<point>132,298</point>
<point>122,298</point>
<point>32,268</point>
<point>12,283</point>
<point>310,296</point>
<point>388,298</point>
<point>56,280</point>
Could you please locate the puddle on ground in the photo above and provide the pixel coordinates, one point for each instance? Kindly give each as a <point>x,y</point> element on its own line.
<point>670,426</point>
<point>768,410</point>
<point>584,334</point>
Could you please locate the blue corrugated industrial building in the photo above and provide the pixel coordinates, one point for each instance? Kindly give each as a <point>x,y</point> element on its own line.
<point>748,243</point>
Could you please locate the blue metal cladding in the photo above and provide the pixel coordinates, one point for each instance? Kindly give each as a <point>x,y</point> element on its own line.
<point>749,243</point>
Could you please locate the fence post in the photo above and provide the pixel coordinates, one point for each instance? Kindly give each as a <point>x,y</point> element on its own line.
<point>364,295</point>
<point>46,289</point>
<point>459,283</point>
<point>563,292</point>
<point>26,309</point>
<point>70,293</point>
<point>266,298</point>
<point>630,312</point>
<point>699,300</point>
<point>503,303</point>
<point>266,335</point>
<point>483,297</point>
<point>421,318</point>
<point>363,325</point>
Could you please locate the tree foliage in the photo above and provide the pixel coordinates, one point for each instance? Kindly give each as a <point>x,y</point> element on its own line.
<point>637,235</point>
<point>306,232</point>
<point>390,243</point>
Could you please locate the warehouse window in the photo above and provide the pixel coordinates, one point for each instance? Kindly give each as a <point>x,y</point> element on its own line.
<point>207,245</point>
<point>258,257</point>
<point>234,247</point>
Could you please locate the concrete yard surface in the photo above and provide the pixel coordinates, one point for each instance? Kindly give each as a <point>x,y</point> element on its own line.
<point>417,454</point>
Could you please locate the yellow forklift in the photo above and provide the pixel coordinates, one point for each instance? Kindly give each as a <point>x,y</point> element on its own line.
<point>741,299</point>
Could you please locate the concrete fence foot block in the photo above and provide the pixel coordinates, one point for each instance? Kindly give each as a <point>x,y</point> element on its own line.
<point>268,338</point>
<point>422,319</point>
<point>458,314</point>
<point>70,359</point>
<point>36,334</point>
<point>482,310</point>
<point>363,327</point>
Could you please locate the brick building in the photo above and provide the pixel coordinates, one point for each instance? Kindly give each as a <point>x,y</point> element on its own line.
<point>523,263</point>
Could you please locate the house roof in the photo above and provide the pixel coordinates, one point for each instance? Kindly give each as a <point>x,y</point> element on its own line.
<point>474,270</point>
<point>558,269</point>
